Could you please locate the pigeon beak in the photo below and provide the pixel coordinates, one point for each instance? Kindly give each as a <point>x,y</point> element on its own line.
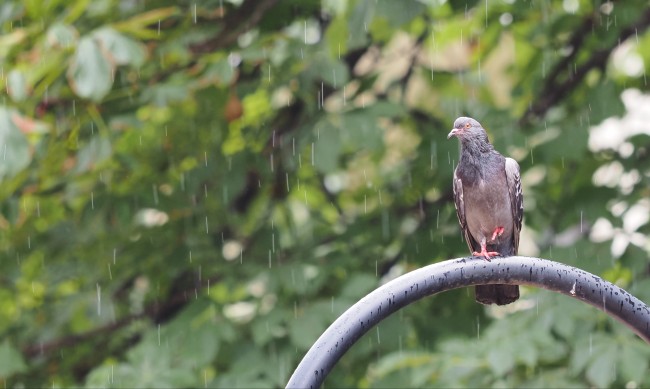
<point>452,133</point>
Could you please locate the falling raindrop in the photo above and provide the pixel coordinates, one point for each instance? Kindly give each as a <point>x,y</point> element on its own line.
<point>581,221</point>
<point>110,274</point>
<point>99,300</point>
<point>206,225</point>
<point>158,334</point>
<point>92,200</point>
<point>486,13</point>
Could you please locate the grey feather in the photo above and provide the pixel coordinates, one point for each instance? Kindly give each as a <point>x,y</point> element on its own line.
<point>487,196</point>
<point>516,199</point>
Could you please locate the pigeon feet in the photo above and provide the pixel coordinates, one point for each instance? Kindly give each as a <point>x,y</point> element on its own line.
<point>484,253</point>
<point>497,232</point>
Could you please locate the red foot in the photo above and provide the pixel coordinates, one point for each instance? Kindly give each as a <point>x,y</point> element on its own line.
<point>497,232</point>
<point>486,254</point>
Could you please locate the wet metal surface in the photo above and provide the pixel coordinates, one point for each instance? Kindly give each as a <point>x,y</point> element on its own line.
<point>457,273</point>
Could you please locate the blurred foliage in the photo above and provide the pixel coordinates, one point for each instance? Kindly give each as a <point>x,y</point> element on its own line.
<point>193,191</point>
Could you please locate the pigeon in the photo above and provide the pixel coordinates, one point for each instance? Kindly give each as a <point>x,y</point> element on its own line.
<point>489,203</point>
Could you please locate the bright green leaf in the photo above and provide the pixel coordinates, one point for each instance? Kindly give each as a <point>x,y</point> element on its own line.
<point>14,148</point>
<point>11,361</point>
<point>91,72</point>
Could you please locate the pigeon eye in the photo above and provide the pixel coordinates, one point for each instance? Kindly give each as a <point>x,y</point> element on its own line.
<point>467,125</point>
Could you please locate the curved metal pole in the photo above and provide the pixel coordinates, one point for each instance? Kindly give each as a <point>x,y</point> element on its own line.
<point>457,273</point>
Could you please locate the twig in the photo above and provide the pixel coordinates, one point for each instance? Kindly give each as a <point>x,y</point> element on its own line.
<point>554,91</point>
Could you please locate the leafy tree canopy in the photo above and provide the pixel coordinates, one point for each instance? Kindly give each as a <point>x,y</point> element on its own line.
<point>193,190</point>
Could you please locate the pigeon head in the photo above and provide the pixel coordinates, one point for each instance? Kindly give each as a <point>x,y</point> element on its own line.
<point>467,129</point>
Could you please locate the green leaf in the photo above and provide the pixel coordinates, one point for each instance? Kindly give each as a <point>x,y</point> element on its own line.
<point>633,362</point>
<point>91,72</point>
<point>122,50</point>
<point>14,148</point>
<point>337,37</point>
<point>17,85</point>
<point>500,359</point>
<point>305,330</point>
<point>358,23</point>
<point>398,13</point>
<point>359,285</point>
<point>11,361</point>
<point>604,101</point>
<point>602,369</point>
<point>96,151</point>
<point>327,147</point>
<point>61,35</point>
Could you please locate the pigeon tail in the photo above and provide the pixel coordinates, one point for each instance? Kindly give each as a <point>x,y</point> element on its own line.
<point>499,294</point>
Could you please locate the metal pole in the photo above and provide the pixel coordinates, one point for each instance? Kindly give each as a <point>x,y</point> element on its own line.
<point>457,273</point>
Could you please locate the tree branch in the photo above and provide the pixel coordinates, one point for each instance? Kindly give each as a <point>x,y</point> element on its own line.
<point>242,20</point>
<point>155,311</point>
<point>554,91</point>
